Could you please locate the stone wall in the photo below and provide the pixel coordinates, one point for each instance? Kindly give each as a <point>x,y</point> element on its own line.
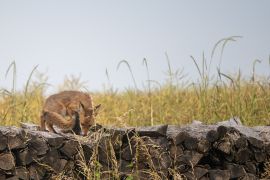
<point>226,150</point>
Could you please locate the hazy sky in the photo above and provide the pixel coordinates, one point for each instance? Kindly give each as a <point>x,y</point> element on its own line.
<point>84,38</point>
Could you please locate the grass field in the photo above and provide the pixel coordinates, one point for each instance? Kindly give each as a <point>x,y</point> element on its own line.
<point>211,99</point>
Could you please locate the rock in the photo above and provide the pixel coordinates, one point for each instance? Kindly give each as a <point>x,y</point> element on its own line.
<point>39,144</point>
<point>12,178</point>
<point>236,171</point>
<point>54,140</point>
<point>87,151</point>
<point>250,167</point>
<point>162,142</point>
<point>181,137</point>
<point>191,143</point>
<point>255,142</point>
<point>190,158</point>
<point>126,166</point>
<point>200,172</point>
<point>53,161</point>
<point>15,137</point>
<point>227,150</point>
<point>22,173</point>
<point>212,136</point>
<point>241,143</point>
<point>126,134</point>
<point>152,131</point>
<point>161,160</point>
<point>176,151</point>
<point>250,177</point>
<point>243,155</point>
<point>29,126</point>
<point>222,131</point>
<point>3,142</point>
<point>7,161</point>
<point>260,156</point>
<point>219,174</point>
<point>203,146</point>
<point>235,121</point>
<point>224,146</point>
<point>36,172</point>
<point>189,175</point>
<point>129,151</point>
<point>25,157</point>
<point>70,148</point>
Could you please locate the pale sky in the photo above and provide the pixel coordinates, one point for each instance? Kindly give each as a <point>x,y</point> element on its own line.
<point>84,38</point>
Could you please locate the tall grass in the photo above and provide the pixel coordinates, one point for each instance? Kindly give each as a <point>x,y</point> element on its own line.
<point>214,97</point>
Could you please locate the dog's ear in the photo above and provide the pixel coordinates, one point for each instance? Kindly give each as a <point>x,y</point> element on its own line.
<point>81,107</point>
<point>96,109</point>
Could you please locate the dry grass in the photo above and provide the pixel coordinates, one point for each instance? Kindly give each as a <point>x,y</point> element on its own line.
<point>211,98</point>
<point>249,100</point>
